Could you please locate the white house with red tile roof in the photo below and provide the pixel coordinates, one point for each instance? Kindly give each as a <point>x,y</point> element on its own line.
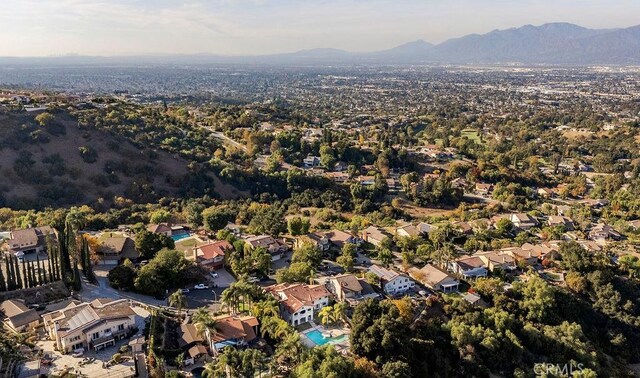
<point>298,301</point>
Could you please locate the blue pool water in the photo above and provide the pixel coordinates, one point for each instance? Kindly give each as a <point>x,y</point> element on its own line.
<point>317,337</point>
<point>180,236</point>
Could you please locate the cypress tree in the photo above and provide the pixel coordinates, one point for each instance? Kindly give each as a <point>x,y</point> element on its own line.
<point>77,281</point>
<point>3,286</point>
<point>50,272</point>
<point>19,283</point>
<point>32,272</point>
<point>26,274</point>
<point>10,279</point>
<point>42,278</point>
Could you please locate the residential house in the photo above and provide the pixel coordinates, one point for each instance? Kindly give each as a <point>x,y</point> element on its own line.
<point>434,278</point>
<point>311,161</point>
<point>469,267</point>
<point>426,228</point>
<point>349,288</point>
<point>339,177</point>
<point>298,301</point>
<point>523,221</point>
<point>407,231</point>
<point>497,260</point>
<point>603,232</point>
<point>317,239</point>
<point>464,227</point>
<point>18,317</point>
<point>275,247</point>
<point>635,224</point>
<point>392,282</point>
<point>191,341</point>
<point>475,300</point>
<point>233,330</point>
<point>545,193</point>
<point>459,183</point>
<point>162,228</point>
<point>340,238</point>
<point>96,325</point>
<point>211,256</point>
<point>31,240</point>
<point>375,235</point>
<point>559,220</point>
<point>366,180</point>
<point>115,247</point>
<point>483,189</point>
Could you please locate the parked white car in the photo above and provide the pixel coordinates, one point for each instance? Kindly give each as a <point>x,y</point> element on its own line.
<point>201,287</point>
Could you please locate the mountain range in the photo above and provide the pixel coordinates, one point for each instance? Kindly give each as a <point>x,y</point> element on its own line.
<point>553,43</point>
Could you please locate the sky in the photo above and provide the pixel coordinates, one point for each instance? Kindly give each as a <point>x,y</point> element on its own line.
<point>255,27</point>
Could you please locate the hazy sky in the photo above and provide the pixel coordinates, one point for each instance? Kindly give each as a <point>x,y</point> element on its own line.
<point>126,27</point>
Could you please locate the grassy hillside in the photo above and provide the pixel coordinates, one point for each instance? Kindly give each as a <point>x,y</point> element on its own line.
<point>57,162</point>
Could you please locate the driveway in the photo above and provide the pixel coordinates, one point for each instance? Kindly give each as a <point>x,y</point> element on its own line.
<point>104,290</point>
<point>224,280</point>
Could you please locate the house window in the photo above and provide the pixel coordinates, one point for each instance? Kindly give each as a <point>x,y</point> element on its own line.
<point>95,335</point>
<point>120,327</point>
<point>302,312</point>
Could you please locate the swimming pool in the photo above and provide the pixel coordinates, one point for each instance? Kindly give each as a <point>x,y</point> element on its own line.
<point>317,337</point>
<point>180,236</point>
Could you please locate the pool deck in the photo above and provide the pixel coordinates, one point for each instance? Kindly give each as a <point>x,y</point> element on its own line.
<point>331,333</point>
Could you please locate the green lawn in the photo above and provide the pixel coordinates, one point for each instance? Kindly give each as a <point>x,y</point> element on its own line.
<point>472,135</point>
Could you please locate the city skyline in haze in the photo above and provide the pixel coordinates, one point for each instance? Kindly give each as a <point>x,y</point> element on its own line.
<point>256,27</point>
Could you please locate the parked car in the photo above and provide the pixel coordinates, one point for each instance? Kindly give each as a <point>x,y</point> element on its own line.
<point>47,359</point>
<point>201,287</point>
<point>422,293</point>
<point>78,353</point>
<point>253,279</point>
<point>213,275</point>
<point>184,291</point>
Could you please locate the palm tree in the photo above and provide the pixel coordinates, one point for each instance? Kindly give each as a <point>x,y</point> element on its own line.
<point>326,315</point>
<point>289,350</point>
<point>266,308</point>
<point>178,300</point>
<point>339,311</point>
<point>275,327</point>
<point>204,322</point>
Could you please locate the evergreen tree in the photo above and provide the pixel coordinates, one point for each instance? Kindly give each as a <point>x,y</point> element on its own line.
<point>3,286</point>
<point>10,278</point>
<point>42,278</point>
<point>77,281</point>
<point>19,283</point>
<point>26,274</point>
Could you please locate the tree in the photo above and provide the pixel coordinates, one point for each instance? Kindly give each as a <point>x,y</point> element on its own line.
<point>3,285</point>
<point>216,217</point>
<point>44,119</point>
<point>122,277</point>
<point>177,300</point>
<point>165,270</point>
<point>346,261</point>
<point>326,315</point>
<point>379,333</point>
<point>148,243</point>
<point>268,220</point>
<point>296,272</point>
<point>204,322</point>
<point>396,369</point>
<point>385,256</point>
<point>160,216</point>
<point>308,253</point>
<point>298,226</point>
<point>327,157</point>
<point>193,213</point>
